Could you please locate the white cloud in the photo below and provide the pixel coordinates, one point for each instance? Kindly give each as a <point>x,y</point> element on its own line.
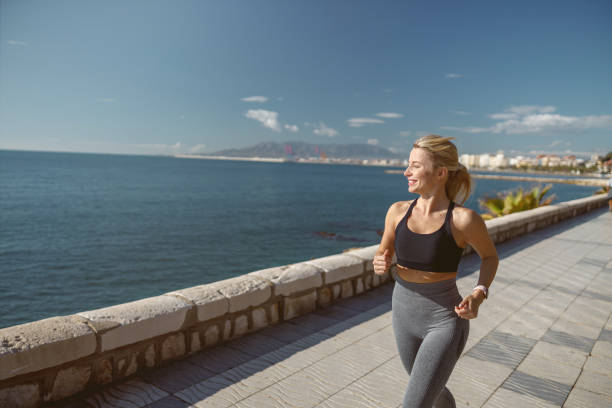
<point>454,76</point>
<point>504,116</point>
<point>601,121</point>
<point>15,42</point>
<point>373,142</point>
<point>266,118</point>
<point>422,133</point>
<point>322,130</point>
<point>197,148</point>
<point>460,113</point>
<point>292,128</point>
<point>359,122</point>
<point>405,133</point>
<point>527,119</point>
<point>538,123</point>
<point>390,115</point>
<point>528,109</point>
<point>255,99</point>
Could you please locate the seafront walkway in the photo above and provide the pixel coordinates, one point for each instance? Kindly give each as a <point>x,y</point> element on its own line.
<point>542,339</point>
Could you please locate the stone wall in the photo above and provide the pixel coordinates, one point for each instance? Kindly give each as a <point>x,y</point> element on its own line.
<point>55,358</point>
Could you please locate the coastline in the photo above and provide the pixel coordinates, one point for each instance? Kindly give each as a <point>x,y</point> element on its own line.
<point>256,159</point>
<point>578,181</point>
<point>345,162</point>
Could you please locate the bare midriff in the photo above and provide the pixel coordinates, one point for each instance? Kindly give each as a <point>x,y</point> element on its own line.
<point>416,276</point>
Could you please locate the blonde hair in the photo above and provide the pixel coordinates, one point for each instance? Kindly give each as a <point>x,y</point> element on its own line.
<point>444,154</point>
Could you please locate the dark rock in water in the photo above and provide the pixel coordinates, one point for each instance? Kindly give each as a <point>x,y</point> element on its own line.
<point>337,237</point>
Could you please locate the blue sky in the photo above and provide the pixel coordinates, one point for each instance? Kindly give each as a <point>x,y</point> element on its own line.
<point>159,77</point>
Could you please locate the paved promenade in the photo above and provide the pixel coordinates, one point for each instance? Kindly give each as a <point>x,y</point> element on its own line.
<point>542,339</point>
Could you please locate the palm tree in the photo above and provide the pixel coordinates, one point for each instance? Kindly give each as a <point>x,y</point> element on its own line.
<point>515,201</point>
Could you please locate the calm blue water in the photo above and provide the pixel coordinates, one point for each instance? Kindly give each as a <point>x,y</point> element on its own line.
<point>83,231</point>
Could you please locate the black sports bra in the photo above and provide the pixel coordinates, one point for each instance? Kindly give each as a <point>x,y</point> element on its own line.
<point>435,252</point>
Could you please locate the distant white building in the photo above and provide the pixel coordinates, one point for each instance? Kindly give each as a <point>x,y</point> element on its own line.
<point>499,160</point>
<point>484,160</point>
<point>470,160</point>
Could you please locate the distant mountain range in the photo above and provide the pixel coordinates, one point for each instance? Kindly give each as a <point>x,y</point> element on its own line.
<point>304,150</point>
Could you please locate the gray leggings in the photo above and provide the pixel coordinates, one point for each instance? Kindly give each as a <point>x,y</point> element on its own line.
<point>430,338</point>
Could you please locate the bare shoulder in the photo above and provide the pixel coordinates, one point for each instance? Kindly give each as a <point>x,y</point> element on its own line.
<point>399,207</point>
<point>397,210</point>
<point>466,218</point>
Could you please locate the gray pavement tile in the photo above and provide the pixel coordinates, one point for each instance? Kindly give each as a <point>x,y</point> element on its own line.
<point>569,340</point>
<point>571,291</point>
<point>358,327</point>
<point>598,296</point>
<point>605,335</point>
<point>599,364</point>
<point>383,387</point>
<point>215,392</point>
<point>548,390</point>
<point>176,376</point>
<point>313,322</point>
<point>379,310</point>
<point>255,344</point>
<point>504,398</point>
<point>218,358</point>
<point>384,338</point>
<point>337,312</point>
<point>304,389</point>
<point>595,382</point>
<point>258,373</point>
<point>306,351</point>
<point>527,323</point>
<point>286,332</point>
<point>569,326</point>
<point>579,398</point>
<point>559,354</point>
<point>133,394</point>
<point>599,308</point>
<point>502,348</point>
<point>602,348</point>
<point>592,261</point>
<point>368,300</point>
<point>549,369</point>
<point>473,381</point>
<point>169,402</point>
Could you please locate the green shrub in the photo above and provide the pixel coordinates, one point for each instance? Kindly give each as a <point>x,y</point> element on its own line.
<point>515,201</point>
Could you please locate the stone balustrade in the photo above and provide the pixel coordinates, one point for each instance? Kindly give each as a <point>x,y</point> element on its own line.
<point>54,358</point>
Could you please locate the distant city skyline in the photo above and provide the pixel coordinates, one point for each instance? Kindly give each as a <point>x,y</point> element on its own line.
<point>150,77</point>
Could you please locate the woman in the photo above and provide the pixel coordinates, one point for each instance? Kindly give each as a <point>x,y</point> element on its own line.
<point>430,319</point>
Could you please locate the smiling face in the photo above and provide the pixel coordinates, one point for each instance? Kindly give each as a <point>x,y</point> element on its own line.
<point>422,175</point>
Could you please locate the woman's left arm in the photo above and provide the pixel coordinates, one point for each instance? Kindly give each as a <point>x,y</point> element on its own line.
<point>473,228</point>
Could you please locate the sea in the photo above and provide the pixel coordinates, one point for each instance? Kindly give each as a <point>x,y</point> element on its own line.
<point>83,231</point>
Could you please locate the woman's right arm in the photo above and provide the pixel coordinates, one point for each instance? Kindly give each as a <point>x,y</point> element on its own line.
<point>386,249</point>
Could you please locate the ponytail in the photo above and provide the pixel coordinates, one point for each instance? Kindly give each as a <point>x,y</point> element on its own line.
<point>459,184</point>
